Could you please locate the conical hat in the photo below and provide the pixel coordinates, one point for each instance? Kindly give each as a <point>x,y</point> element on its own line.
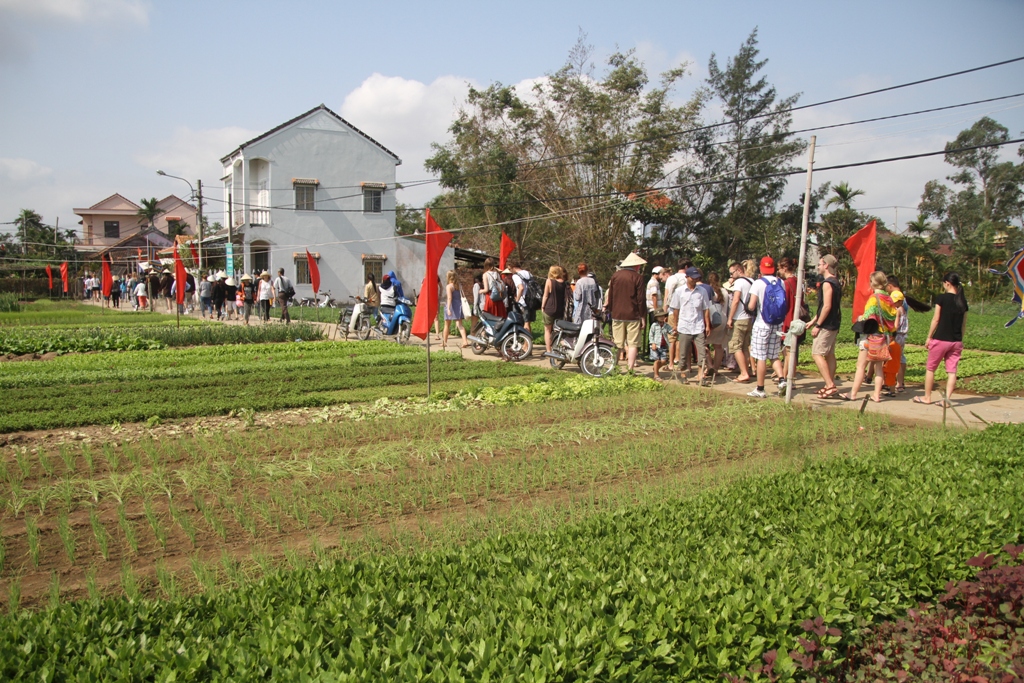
<point>632,260</point>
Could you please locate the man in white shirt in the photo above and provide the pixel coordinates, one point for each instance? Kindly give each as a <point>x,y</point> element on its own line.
<point>692,307</point>
<point>671,283</point>
<point>654,289</point>
<point>765,342</point>
<point>521,277</point>
<point>739,320</point>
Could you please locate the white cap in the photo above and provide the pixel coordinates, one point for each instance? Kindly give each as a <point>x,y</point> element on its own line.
<point>657,269</point>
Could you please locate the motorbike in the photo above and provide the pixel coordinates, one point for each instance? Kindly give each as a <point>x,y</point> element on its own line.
<point>582,344</point>
<point>508,335</point>
<point>350,320</point>
<point>396,323</point>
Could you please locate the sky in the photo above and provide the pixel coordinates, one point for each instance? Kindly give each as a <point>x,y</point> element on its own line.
<point>96,95</point>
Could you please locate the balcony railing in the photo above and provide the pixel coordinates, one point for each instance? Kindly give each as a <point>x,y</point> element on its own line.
<point>259,216</point>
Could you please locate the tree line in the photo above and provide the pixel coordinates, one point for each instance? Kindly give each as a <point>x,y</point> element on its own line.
<point>589,166</point>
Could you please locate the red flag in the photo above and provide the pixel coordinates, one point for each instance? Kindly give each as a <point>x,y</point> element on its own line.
<point>314,272</point>
<point>426,308</point>
<point>507,247</point>
<point>180,277</point>
<point>861,246</point>
<point>49,274</point>
<point>64,275</point>
<point>195,254</point>
<point>108,280</point>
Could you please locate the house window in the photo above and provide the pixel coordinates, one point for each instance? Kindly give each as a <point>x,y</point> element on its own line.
<point>112,229</point>
<point>373,197</point>
<point>374,267</point>
<point>305,193</point>
<point>302,272</point>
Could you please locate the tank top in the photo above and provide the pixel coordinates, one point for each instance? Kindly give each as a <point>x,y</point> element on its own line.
<point>555,305</point>
<point>835,315</point>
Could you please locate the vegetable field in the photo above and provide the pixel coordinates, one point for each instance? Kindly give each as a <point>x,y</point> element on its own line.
<point>667,580</point>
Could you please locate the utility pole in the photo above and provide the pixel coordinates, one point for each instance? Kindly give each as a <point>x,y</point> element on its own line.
<point>791,359</point>
<point>56,231</point>
<point>199,184</point>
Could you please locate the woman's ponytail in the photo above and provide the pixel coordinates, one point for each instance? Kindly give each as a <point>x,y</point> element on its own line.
<point>959,299</point>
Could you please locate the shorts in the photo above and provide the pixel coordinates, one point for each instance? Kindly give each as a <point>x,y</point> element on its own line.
<point>901,339</point>
<point>143,301</point>
<point>741,335</point>
<point>673,322</point>
<point>825,343</point>
<point>944,350</point>
<point>659,354</point>
<point>626,333</point>
<point>549,319</point>
<point>765,342</point>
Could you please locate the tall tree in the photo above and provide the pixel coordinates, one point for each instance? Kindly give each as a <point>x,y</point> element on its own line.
<point>550,170</point>
<point>731,185</point>
<point>843,196</point>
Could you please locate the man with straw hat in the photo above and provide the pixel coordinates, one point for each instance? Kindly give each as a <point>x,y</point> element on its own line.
<point>628,305</point>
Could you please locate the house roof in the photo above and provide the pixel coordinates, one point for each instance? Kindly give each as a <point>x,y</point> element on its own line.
<point>321,107</point>
<point>112,204</point>
<point>157,239</point>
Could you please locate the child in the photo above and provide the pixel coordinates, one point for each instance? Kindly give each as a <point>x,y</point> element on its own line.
<point>658,340</point>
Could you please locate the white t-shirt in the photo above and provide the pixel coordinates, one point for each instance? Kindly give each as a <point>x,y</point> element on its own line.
<point>757,289</point>
<point>522,278</point>
<point>264,290</point>
<point>691,304</point>
<point>741,285</point>
<point>653,290</point>
<point>387,296</point>
<point>673,281</point>
<point>140,289</point>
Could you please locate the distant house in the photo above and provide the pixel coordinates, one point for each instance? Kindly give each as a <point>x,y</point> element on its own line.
<point>115,219</point>
<point>317,182</point>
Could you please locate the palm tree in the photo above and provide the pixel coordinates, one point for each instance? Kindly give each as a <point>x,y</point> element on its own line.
<point>844,195</point>
<point>919,226</point>
<point>148,211</point>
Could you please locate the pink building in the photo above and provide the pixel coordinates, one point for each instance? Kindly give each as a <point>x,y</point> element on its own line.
<point>114,219</point>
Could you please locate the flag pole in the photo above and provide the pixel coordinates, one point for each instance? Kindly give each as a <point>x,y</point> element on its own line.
<point>428,363</point>
<point>791,370</point>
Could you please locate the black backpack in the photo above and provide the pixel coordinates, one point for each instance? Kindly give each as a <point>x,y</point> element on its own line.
<point>534,294</point>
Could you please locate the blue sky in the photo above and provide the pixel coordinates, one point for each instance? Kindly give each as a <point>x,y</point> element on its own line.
<point>98,94</point>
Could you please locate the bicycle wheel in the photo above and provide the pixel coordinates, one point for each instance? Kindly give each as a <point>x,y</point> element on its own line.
<point>363,327</point>
<point>404,329</point>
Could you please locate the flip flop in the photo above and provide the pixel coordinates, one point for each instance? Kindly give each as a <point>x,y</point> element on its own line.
<point>737,380</point>
<point>844,397</point>
<point>900,390</point>
<point>918,399</point>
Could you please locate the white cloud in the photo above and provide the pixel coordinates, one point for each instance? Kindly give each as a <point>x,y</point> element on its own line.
<point>193,153</point>
<point>78,11</point>
<point>406,116</point>
<point>23,171</point>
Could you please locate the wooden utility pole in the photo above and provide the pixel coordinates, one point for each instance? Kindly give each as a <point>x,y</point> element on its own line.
<point>199,193</point>
<point>791,370</point>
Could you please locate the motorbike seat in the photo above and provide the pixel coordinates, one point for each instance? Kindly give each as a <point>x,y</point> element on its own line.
<point>567,327</point>
<point>490,318</point>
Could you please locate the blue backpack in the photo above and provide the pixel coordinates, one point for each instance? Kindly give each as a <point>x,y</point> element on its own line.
<point>774,307</point>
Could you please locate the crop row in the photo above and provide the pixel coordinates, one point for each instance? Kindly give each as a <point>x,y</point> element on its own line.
<point>202,361</point>
<point>972,363</point>
<point>266,388</point>
<point>683,590</point>
<point>152,337</point>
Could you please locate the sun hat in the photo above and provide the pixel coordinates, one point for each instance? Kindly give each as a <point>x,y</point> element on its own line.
<point>506,272</point>
<point>767,266</point>
<point>660,314</point>
<point>231,282</point>
<point>165,271</point>
<point>656,269</point>
<point>265,274</point>
<point>221,274</point>
<point>632,260</point>
<point>693,272</point>
<point>209,278</point>
<point>245,277</point>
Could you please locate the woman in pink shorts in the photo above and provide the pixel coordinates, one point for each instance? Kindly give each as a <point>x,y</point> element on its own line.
<point>945,340</point>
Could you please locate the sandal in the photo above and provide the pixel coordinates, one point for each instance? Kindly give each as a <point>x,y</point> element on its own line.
<point>828,392</point>
<point>918,399</point>
<point>900,389</point>
<point>886,391</point>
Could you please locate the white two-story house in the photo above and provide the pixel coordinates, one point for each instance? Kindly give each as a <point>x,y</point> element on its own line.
<point>319,183</point>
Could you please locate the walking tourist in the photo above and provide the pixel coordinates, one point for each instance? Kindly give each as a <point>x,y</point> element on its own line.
<point>628,308</point>
<point>945,341</point>
<point>879,322</point>
<point>768,304</point>
<point>265,295</point>
<point>249,293</point>
<point>692,307</point>
<point>718,338</point>
<point>826,325</point>
<point>453,310</point>
<point>658,342</point>
<point>494,302</point>
<point>586,296</point>
<point>285,291</point>
<point>553,302</point>
<point>740,321</point>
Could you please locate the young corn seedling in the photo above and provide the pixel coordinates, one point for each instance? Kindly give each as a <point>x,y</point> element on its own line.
<point>87,456</point>
<point>185,522</point>
<point>67,535</point>
<point>166,580</point>
<point>100,532</point>
<point>54,590</point>
<point>91,586</point>
<point>110,454</point>
<point>69,460</point>
<point>129,582</point>
<point>47,464</point>
<point>32,536</point>
<point>127,530</point>
<point>14,595</point>
<point>154,522</point>
<point>205,575</point>
<point>21,457</point>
